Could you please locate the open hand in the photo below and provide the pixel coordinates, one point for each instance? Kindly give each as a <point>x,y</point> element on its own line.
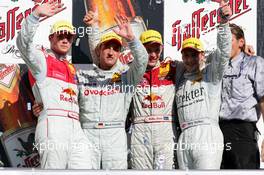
<point>48,9</point>
<point>90,18</point>
<point>249,50</point>
<point>225,12</point>
<point>124,28</point>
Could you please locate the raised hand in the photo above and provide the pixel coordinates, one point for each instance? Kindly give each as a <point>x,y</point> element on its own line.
<point>249,50</point>
<point>91,19</point>
<point>124,28</point>
<point>167,60</point>
<point>225,12</point>
<point>48,9</point>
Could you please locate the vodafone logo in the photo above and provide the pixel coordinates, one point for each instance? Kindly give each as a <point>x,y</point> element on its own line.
<point>100,92</point>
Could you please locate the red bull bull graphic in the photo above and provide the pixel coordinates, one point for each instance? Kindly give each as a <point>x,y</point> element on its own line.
<point>69,91</point>
<point>68,95</point>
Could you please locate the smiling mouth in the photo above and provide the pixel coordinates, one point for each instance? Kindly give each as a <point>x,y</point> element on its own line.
<point>152,59</point>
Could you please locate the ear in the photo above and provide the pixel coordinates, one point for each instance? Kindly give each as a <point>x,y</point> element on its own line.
<point>201,56</point>
<point>50,37</point>
<point>241,43</point>
<point>161,48</point>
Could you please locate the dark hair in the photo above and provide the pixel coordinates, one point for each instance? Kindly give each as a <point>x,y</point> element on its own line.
<point>239,33</point>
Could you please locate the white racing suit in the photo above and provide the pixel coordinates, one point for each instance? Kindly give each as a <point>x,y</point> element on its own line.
<point>153,135</point>
<point>198,98</point>
<point>59,137</point>
<point>104,101</point>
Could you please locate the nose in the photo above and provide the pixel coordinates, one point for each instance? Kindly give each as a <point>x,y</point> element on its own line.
<point>111,51</point>
<point>152,53</point>
<point>187,59</point>
<point>65,41</point>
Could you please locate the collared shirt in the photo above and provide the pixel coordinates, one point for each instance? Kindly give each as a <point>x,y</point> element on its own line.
<point>242,88</point>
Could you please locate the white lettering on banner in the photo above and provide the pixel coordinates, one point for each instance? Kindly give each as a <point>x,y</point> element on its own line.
<point>126,57</point>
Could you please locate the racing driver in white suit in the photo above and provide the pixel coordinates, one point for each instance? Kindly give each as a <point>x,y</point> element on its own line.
<point>198,99</point>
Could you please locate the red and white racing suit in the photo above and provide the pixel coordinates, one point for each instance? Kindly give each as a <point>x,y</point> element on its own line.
<point>153,116</point>
<point>59,137</point>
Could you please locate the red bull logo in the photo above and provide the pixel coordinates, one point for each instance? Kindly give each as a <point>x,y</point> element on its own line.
<point>155,101</point>
<point>69,97</point>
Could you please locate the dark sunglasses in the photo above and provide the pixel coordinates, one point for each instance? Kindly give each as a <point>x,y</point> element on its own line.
<point>62,36</point>
<point>190,54</point>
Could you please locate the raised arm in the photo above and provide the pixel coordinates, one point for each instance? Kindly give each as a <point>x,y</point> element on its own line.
<point>32,56</point>
<point>91,20</point>
<point>139,64</point>
<point>219,59</point>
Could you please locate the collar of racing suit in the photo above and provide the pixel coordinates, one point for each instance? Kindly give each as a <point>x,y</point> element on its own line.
<point>152,68</point>
<point>117,68</point>
<point>194,76</point>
